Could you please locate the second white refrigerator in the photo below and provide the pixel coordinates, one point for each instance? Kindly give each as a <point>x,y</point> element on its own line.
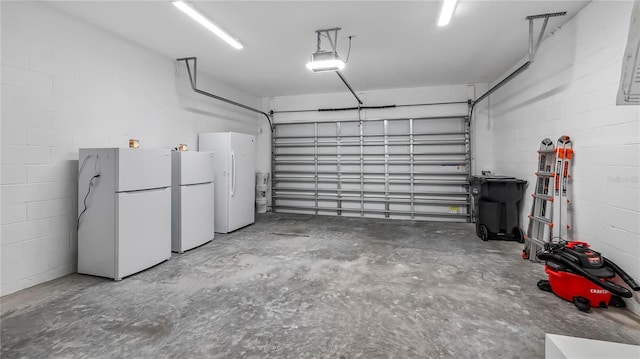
<point>234,172</point>
<point>192,197</point>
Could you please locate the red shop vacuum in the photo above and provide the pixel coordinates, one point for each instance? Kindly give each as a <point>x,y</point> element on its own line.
<point>583,276</point>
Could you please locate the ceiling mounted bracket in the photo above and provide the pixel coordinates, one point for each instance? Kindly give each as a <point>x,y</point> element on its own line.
<point>333,40</point>
<point>192,81</point>
<point>532,53</point>
<point>533,48</point>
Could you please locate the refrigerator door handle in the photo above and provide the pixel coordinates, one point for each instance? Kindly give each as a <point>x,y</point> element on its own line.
<point>233,173</point>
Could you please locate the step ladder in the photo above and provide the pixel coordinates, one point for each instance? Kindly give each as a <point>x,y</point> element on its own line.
<point>549,219</point>
<point>564,155</point>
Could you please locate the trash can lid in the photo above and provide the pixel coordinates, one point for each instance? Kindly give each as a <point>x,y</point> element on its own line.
<point>494,178</point>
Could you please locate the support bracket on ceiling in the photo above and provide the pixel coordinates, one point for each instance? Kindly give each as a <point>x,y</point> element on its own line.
<point>533,48</point>
<point>333,38</point>
<point>192,80</point>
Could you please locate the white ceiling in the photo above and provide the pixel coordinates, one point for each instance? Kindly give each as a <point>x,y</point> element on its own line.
<point>397,44</point>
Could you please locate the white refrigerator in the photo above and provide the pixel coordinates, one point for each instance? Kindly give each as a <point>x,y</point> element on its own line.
<point>235,177</point>
<point>192,199</point>
<point>124,207</point>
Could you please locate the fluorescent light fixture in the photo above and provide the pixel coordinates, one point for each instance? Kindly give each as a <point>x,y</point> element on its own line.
<point>448,7</point>
<point>324,61</point>
<point>207,23</point>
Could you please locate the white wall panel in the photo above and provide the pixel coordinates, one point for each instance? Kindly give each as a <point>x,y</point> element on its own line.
<point>14,135</point>
<point>570,89</point>
<point>67,84</point>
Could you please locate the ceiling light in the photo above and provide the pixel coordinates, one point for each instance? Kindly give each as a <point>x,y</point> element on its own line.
<point>207,23</point>
<point>448,6</point>
<point>323,60</point>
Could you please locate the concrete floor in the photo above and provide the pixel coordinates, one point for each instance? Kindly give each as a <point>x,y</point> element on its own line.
<point>294,286</point>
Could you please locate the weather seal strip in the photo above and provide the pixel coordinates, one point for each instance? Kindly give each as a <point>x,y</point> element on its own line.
<point>192,81</point>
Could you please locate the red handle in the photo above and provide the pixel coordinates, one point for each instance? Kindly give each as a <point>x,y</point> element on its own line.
<point>573,244</point>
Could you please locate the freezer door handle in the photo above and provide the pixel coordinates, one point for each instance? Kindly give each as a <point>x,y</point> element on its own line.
<point>233,173</point>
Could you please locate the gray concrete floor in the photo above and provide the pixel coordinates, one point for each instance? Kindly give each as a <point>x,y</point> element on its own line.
<point>295,286</point>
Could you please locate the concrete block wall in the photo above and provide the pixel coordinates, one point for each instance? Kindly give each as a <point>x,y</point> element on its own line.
<point>571,89</point>
<point>66,85</point>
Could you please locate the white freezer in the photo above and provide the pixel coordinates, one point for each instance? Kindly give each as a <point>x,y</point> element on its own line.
<point>193,194</point>
<point>234,158</point>
<point>142,169</point>
<point>192,167</point>
<point>126,226</point>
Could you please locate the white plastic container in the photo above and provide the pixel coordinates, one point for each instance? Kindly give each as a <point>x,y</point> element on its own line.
<point>261,192</point>
<point>262,179</point>
<point>261,205</point>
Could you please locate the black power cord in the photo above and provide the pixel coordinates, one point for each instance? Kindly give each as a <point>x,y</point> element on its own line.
<point>349,51</point>
<point>85,199</point>
<point>336,50</point>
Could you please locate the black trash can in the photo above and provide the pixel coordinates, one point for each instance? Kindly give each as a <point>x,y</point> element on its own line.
<point>496,206</point>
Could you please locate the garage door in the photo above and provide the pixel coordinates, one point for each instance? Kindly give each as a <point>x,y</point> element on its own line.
<point>408,168</point>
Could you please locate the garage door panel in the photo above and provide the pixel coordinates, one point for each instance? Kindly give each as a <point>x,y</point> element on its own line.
<point>296,130</point>
<point>327,186</point>
<point>400,188</point>
<point>373,128</point>
<point>398,128</point>
<point>327,129</point>
<point>330,168</point>
<point>351,186</point>
<point>374,187</point>
<point>325,149</point>
<point>396,168</point>
<point>348,128</point>
<point>427,127</point>
<point>371,150</point>
<point>398,149</point>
